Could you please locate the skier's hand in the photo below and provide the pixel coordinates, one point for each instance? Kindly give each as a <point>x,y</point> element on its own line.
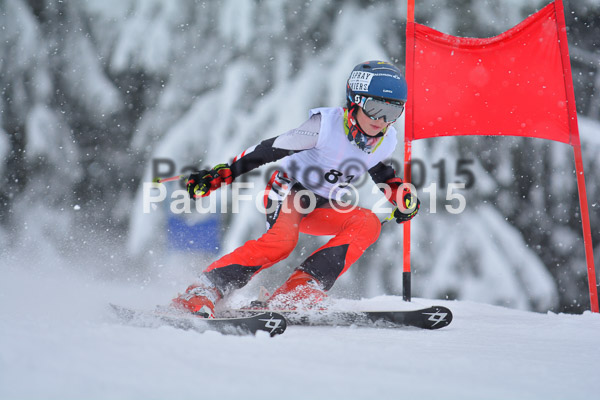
<point>198,184</point>
<point>409,209</point>
<point>201,183</point>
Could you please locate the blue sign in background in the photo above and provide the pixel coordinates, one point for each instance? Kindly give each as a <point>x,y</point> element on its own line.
<point>204,235</point>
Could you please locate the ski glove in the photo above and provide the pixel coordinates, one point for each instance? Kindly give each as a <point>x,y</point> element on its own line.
<point>410,209</point>
<point>201,183</point>
<point>409,205</point>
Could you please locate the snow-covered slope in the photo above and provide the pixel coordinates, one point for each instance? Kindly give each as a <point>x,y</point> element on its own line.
<point>58,340</point>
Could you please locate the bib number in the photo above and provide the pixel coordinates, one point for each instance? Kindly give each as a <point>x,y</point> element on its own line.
<point>334,176</point>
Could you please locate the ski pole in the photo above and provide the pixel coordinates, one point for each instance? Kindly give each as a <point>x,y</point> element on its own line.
<point>198,193</point>
<point>391,217</point>
<point>173,178</point>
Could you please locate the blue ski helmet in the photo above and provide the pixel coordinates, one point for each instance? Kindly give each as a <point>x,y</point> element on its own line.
<point>378,79</point>
<point>380,90</point>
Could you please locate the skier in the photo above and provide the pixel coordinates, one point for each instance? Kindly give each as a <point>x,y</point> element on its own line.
<point>298,200</point>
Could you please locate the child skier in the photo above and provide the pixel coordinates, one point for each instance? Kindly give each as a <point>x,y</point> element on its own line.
<point>299,199</point>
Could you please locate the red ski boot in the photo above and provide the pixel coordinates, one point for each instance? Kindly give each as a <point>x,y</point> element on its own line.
<point>199,299</point>
<point>300,291</point>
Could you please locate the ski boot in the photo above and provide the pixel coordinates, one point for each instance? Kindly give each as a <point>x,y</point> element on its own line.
<point>199,299</point>
<point>300,291</point>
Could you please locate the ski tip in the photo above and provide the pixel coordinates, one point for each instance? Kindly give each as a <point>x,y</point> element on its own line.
<point>271,322</point>
<point>437,317</point>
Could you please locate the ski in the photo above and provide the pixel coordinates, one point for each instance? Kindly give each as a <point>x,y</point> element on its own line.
<point>434,317</point>
<point>270,322</point>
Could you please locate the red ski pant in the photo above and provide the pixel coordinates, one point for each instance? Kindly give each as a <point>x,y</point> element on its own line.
<point>353,231</point>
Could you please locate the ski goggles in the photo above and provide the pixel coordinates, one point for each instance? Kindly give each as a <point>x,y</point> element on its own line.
<point>379,108</point>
